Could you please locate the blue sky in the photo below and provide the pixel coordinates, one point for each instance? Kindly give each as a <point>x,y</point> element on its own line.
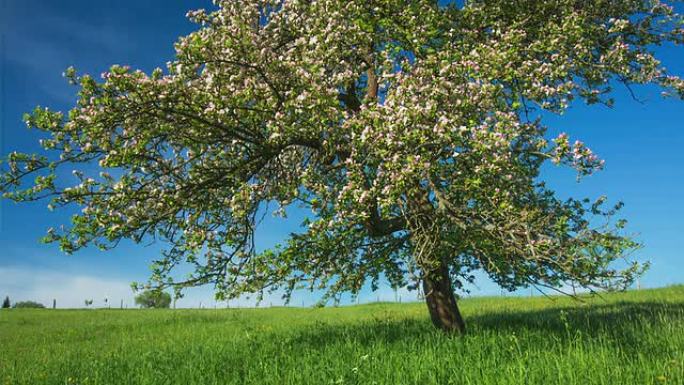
<point>643,145</point>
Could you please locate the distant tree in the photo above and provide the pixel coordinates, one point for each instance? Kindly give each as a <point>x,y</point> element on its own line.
<point>153,299</point>
<point>6,303</point>
<point>28,305</point>
<point>413,131</point>
<point>88,302</point>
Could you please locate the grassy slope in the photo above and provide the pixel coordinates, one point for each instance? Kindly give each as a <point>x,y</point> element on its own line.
<point>630,338</point>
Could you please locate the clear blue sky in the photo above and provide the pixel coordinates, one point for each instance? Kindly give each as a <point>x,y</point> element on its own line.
<point>643,145</point>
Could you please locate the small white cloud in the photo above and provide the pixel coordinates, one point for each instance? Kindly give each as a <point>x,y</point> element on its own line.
<point>71,291</point>
<point>68,290</point>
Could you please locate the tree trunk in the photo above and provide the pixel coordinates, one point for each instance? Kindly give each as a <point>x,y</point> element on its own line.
<point>441,302</point>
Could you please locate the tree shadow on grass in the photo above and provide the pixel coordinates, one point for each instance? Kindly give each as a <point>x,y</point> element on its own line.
<point>589,319</point>
<point>363,333</point>
<point>620,324</point>
<point>632,327</point>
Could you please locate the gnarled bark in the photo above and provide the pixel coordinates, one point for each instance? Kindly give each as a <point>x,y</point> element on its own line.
<point>441,302</point>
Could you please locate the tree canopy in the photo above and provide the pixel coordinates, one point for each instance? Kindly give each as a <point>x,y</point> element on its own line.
<point>153,299</point>
<point>28,305</point>
<point>413,132</point>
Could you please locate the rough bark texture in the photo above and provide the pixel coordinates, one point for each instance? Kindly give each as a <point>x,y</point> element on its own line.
<point>441,302</point>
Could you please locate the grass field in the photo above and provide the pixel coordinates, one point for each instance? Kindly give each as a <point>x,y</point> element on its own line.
<point>628,338</point>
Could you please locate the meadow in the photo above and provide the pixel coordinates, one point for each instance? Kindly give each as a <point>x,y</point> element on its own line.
<point>635,337</point>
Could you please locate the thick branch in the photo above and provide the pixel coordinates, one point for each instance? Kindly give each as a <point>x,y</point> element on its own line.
<point>378,227</point>
<point>372,91</point>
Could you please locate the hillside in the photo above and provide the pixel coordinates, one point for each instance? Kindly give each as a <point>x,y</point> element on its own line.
<point>627,338</point>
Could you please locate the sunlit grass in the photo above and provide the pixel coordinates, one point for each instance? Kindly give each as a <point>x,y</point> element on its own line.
<point>630,338</point>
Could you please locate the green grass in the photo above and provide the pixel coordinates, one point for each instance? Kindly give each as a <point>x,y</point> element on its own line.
<point>629,338</point>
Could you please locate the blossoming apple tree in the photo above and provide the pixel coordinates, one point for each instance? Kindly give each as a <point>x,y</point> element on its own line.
<point>412,130</point>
